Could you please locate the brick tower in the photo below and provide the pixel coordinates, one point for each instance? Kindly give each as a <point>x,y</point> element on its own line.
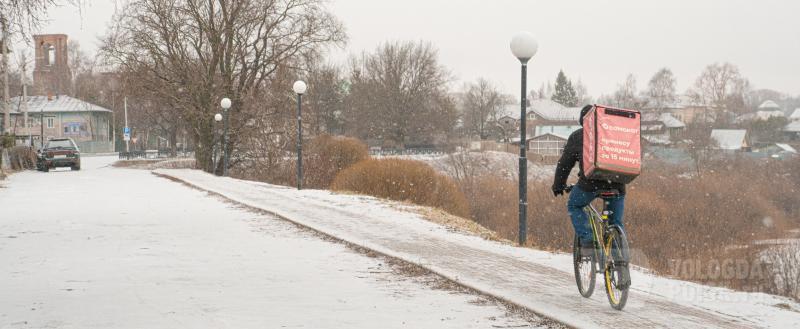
<point>51,74</point>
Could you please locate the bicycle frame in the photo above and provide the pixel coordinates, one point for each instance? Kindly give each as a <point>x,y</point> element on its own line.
<point>599,223</point>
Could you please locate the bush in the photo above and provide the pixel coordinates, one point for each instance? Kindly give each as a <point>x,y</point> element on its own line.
<point>7,141</point>
<point>327,156</point>
<point>22,158</point>
<point>403,180</point>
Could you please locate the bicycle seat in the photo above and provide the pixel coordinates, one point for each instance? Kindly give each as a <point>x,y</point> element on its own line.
<point>608,193</point>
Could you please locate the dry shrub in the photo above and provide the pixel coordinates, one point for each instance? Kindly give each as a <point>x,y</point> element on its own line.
<point>327,156</point>
<point>403,180</point>
<point>22,157</point>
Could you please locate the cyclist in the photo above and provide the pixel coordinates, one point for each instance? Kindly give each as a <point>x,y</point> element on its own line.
<point>585,190</point>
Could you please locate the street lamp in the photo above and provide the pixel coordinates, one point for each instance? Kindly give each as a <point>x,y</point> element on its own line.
<point>217,118</point>
<point>226,104</point>
<point>299,88</point>
<point>523,46</point>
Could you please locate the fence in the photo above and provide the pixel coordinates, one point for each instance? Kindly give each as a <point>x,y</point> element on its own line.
<point>153,154</point>
<point>96,146</point>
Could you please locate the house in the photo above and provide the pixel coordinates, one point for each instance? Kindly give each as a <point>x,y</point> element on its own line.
<point>660,128</point>
<point>547,144</point>
<point>795,115</point>
<point>89,125</point>
<point>792,131</point>
<point>731,139</point>
<point>761,115</point>
<point>685,109</point>
<point>548,117</point>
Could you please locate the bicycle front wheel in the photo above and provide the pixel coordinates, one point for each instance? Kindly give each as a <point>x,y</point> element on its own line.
<point>617,274</point>
<point>584,270</point>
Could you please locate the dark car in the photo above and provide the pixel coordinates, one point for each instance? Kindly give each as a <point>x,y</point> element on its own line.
<point>60,152</point>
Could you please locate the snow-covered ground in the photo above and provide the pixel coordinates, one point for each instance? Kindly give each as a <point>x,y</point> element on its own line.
<point>121,248</point>
<point>538,280</point>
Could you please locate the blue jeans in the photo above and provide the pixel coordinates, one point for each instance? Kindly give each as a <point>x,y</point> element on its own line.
<point>579,198</point>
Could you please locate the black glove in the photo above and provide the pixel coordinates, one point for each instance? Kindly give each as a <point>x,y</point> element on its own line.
<point>557,190</point>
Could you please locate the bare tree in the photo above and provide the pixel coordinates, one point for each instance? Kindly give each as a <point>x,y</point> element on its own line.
<point>482,102</point>
<point>582,94</point>
<point>721,88</point>
<point>326,102</point>
<point>661,89</point>
<point>195,52</point>
<point>626,95</point>
<point>399,94</point>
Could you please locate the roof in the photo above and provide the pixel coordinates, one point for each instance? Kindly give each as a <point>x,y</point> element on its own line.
<point>553,111</point>
<point>786,147</point>
<point>657,139</point>
<point>795,115</point>
<point>558,130</point>
<point>760,115</point>
<point>729,139</point>
<point>57,104</point>
<point>671,121</point>
<point>768,104</point>
<point>666,119</point>
<point>793,126</point>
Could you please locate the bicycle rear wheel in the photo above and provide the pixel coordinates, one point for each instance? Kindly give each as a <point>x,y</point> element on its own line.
<point>617,274</point>
<point>585,272</point>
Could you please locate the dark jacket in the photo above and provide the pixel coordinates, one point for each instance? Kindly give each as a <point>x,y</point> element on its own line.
<point>573,153</point>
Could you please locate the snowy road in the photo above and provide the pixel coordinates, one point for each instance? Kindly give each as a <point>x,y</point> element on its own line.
<point>122,248</point>
<point>540,281</point>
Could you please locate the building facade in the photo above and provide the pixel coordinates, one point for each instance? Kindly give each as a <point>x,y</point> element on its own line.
<point>89,125</point>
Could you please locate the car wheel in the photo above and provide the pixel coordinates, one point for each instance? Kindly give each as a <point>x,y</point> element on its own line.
<point>46,168</point>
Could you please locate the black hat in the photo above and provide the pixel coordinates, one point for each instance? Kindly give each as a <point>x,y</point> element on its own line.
<point>584,110</point>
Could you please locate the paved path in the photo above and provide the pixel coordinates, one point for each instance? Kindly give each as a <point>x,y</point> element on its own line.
<point>517,275</point>
<point>122,248</point>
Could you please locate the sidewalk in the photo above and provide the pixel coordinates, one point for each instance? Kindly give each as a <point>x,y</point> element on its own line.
<point>540,281</point>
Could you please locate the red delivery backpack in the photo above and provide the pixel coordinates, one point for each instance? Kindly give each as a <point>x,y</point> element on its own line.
<point>612,148</point>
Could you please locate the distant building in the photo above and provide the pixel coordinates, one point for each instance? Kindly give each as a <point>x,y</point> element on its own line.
<point>547,145</point>
<point>661,128</point>
<point>731,139</point>
<point>792,130</point>
<point>51,73</point>
<point>686,110</point>
<point>89,125</point>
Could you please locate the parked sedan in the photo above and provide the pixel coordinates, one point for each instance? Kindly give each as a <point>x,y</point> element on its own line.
<point>60,152</point>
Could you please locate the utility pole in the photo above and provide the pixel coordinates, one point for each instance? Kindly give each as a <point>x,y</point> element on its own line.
<point>25,110</point>
<point>4,45</point>
<point>126,131</point>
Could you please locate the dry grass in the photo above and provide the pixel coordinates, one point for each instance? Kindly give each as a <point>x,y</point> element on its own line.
<point>669,216</point>
<point>403,180</point>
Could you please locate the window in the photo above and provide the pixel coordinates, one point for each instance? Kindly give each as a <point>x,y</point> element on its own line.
<point>49,54</point>
<point>545,147</point>
<point>51,122</point>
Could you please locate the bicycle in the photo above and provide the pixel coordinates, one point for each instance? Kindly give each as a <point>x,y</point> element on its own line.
<point>611,257</point>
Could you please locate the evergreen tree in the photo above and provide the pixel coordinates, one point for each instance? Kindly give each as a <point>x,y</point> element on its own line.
<point>565,92</point>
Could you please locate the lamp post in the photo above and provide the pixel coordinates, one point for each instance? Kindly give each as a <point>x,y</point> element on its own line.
<point>217,118</point>
<point>226,104</point>
<point>299,88</point>
<point>523,46</point>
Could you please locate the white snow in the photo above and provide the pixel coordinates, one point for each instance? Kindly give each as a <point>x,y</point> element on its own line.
<point>538,280</point>
<point>121,248</point>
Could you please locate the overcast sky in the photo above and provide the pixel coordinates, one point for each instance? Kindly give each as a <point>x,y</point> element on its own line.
<point>596,41</point>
